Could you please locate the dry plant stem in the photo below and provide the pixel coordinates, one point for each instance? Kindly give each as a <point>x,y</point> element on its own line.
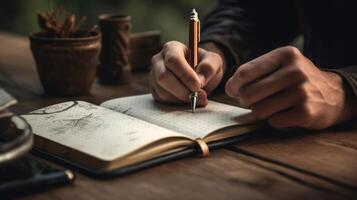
<point>59,23</point>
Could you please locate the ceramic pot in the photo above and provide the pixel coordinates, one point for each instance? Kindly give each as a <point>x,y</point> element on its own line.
<point>114,65</point>
<point>66,66</point>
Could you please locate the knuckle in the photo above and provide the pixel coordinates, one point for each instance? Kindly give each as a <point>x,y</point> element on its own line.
<point>291,52</point>
<point>155,58</point>
<point>242,72</point>
<point>171,59</point>
<point>300,75</point>
<point>190,80</point>
<point>245,93</point>
<point>295,74</point>
<point>302,94</point>
<point>214,56</point>
<point>163,77</point>
<point>306,113</point>
<point>171,45</point>
<point>292,71</point>
<point>207,69</point>
<point>242,92</point>
<point>168,45</point>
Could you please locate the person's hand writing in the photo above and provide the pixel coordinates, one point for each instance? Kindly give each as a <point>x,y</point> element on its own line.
<point>172,78</point>
<point>287,89</point>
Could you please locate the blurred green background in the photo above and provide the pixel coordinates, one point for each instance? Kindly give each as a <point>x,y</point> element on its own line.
<point>170,17</point>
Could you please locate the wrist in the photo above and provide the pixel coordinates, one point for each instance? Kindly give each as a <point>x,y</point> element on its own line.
<point>348,103</point>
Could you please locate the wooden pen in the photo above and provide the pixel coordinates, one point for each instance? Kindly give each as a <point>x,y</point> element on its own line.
<point>194,37</point>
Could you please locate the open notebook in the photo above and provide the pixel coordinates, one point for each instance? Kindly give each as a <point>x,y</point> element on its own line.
<point>125,131</point>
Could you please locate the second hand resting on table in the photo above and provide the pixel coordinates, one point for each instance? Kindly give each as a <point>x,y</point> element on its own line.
<point>282,86</point>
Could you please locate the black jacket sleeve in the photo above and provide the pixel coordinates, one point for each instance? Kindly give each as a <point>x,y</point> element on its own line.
<point>349,74</point>
<point>245,29</point>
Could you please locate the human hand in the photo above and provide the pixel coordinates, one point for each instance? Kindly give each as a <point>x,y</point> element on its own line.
<point>287,89</point>
<point>172,78</point>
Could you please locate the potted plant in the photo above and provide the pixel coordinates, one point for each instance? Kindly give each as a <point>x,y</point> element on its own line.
<point>66,56</point>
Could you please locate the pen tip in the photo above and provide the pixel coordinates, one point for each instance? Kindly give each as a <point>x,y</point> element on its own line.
<point>193,99</point>
<point>194,102</point>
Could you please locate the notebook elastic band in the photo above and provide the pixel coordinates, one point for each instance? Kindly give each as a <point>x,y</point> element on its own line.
<point>203,146</point>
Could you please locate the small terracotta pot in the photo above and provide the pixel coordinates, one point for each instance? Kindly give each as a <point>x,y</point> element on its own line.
<point>66,66</point>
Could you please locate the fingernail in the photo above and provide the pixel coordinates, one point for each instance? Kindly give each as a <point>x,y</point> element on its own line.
<point>202,79</point>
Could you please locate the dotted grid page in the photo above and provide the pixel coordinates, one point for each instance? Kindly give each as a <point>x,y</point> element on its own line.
<point>179,118</point>
<point>94,130</point>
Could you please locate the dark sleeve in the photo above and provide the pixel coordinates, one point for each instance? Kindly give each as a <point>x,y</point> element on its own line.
<point>349,74</point>
<point>246,29</point>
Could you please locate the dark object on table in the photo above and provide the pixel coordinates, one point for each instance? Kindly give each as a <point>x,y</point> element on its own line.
<point>5,120</point>
<point>15,140</point>
<point>114,65</point>
<point>66,57</point>
<point>143,46</point>
<point>29,175</point>
<point>21,173</point>
<point>66,66</point>
<point>15,133</point>
<point>6,101</point>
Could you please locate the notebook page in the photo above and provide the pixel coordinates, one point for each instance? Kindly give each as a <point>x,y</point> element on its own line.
<point>94,130</point>
<point>179,118</point>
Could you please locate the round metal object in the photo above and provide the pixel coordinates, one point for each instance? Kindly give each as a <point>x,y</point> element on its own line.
<point>17,140</point>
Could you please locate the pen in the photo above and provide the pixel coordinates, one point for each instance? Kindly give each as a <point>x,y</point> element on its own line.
<point>194,37</point>
<point>37,183</point>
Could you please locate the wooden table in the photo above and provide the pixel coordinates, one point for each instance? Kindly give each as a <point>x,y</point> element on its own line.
<point>279,165</point>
